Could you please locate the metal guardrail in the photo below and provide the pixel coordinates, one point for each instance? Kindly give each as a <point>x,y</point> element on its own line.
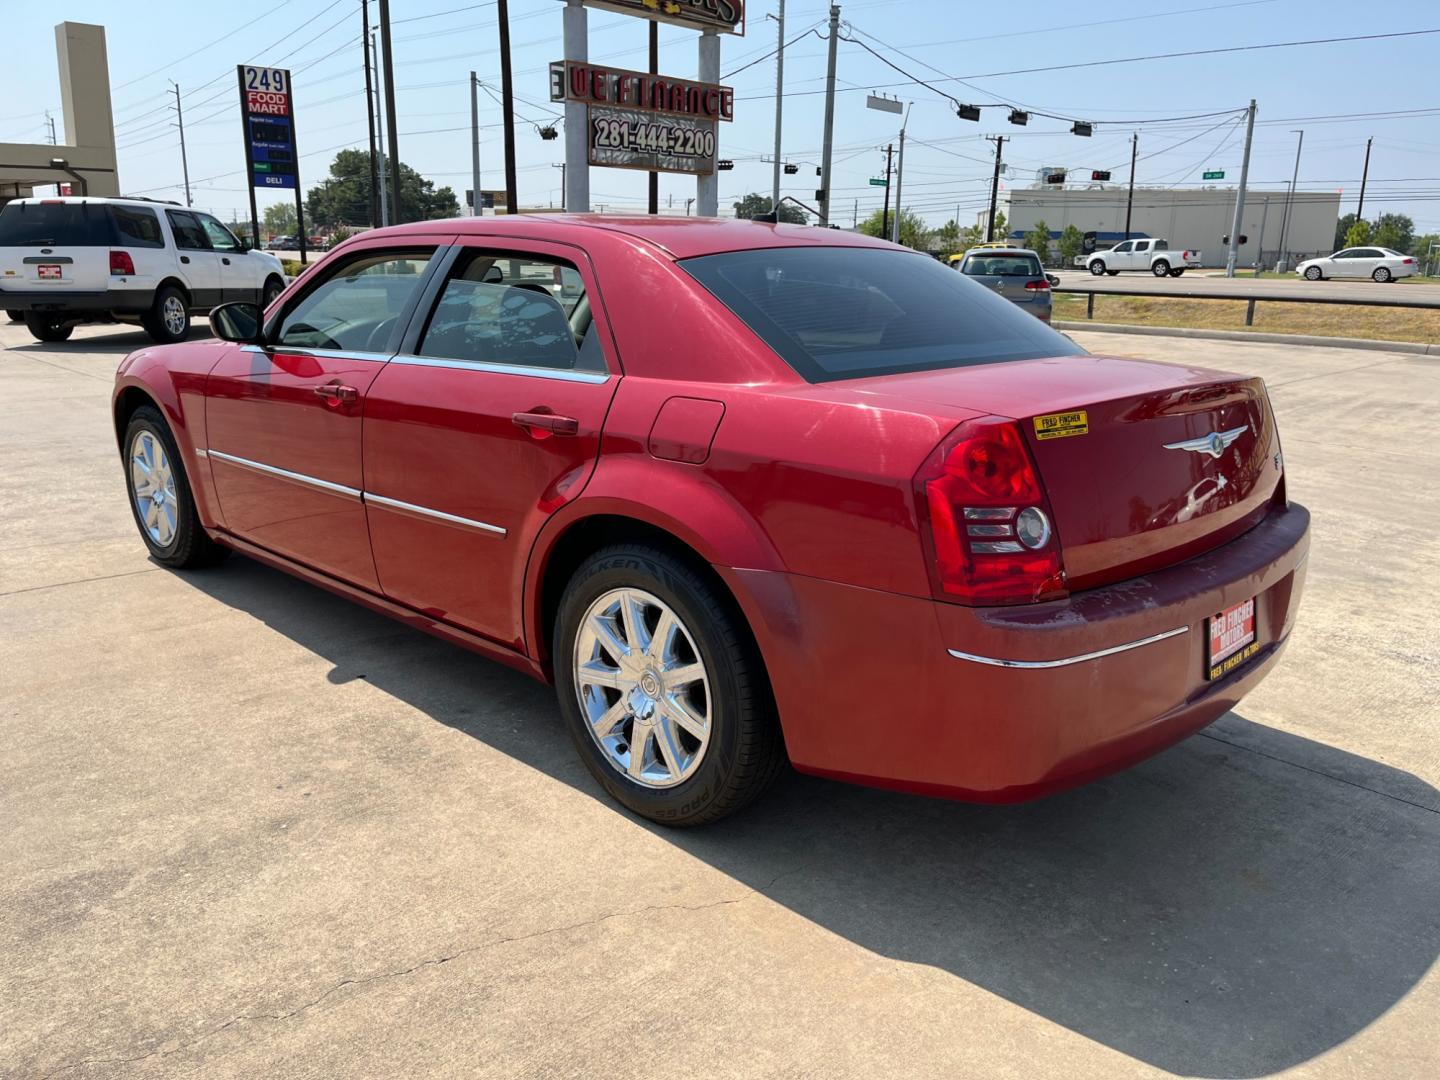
<point>1250,299</point>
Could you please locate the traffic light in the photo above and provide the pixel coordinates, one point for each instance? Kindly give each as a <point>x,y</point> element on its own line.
<point>968,112</point>
<point>1100,174</point>
<point>724,164</point>
<point>1057,177</point>
<point>791,170</point>
<point>1226,239</point>
<point>1082,128</point>
<point>1019,116</point>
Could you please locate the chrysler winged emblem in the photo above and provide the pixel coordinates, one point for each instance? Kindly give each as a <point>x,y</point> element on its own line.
<point>1213,444</point>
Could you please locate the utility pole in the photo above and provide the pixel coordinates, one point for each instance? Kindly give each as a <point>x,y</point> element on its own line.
<point>561,167</point>
<point>370,114</point>
<point>1130,198</point>
<point>50,123</point>
<point>885,215</point>
<point>999,141</point>
<point>475,146</point>
<point>1230,256</point>
<point>391,129</point>
<point>1289,195</point>
<point>184,162</point>
<point>1360,210</point>
<point>380,135</point>
<point>507,103</point>
<point>779,101</point>
<point>899,179</point>
<point>654,70</point>
<point>829,131</point>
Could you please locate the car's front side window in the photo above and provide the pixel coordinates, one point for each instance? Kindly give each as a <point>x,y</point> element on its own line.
<point>221,238</point>
<point>516,310</point>
<point>357,306</point>
<point>188,233</point>
<point>1126,246</point>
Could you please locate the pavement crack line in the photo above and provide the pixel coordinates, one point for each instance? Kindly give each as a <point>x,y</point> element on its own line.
<point>80,581</point>
<point>1318,772</point>
<point>172,1047</point>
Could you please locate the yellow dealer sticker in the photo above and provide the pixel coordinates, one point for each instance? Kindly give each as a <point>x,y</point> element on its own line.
<point>1059,425</point>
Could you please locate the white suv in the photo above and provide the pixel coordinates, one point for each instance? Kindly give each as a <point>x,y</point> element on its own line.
<point>72,260</point>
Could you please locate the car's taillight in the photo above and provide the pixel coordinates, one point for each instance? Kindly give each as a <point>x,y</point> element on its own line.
<point>1408,262</point>
<point>985,521</point>
<point>1038,286</point>
<point>121,265</point>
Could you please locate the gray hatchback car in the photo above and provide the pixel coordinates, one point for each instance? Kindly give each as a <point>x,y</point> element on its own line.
<point>1014,273</point>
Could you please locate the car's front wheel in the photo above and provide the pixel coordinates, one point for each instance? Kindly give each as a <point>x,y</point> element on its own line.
<point>273,288</point>
<point>1312,273</point>
<point>1381,274</point>
<point>168,319</point>
<point>160,495</point>
<point>15,316</point>
<point>1160,268</point>
<point>47,328</point>
<point>1097,268</point>
<point>662,688</point>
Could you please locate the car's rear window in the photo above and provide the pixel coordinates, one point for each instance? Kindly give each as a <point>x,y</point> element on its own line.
<point>845,313</point>
<point>1004,264</point>
<point>54,224</point>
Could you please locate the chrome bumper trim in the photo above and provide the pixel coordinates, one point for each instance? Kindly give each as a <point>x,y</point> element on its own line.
<point>1066,661</point>
<point>426,512</point>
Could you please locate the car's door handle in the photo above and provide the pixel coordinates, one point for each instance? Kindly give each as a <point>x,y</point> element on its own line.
<point>548,422</point>
<point>225,261</point>
<point>337,393</point>
<point>184,258</point>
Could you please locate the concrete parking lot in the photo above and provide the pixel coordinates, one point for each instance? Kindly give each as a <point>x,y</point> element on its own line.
<point>251,830</point>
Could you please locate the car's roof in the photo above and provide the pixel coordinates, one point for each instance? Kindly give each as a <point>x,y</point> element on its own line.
<point>97,199</point>
<point>681,237</point>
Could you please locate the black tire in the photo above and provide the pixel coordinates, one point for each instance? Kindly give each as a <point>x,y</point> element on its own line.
<point>1177,271</point>
<point>1313,273</point>
<point>273,288</point>
<point>46,328</point>
<point>1097,268</point>
<point>190,546</point>
<point>154,320</point>
<point>1382,275</point>
<point>744,752</point>
<point>1160,268</point>
<point>15,316</point>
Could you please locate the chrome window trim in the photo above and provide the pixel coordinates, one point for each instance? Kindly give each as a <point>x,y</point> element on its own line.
<point>286,474</point>
<point>594,377</point>
<point>439,515</point>
<point>1066,661</point>
<point>325,354</point>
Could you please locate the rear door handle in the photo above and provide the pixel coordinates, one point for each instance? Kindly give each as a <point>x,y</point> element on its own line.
<point>225,261</point>
<point>184,258</point>
<point>337,393</point>
<point>546,421</point>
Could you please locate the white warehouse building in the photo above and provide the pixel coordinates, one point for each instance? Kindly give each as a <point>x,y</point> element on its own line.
<point>1195,218</point>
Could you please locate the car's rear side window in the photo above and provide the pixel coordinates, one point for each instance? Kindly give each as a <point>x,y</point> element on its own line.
<point>137,227</point>
<point>846,313</point>
<point>54,224</point>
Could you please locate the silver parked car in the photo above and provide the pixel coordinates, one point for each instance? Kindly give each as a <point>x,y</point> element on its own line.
<point>1014,273</point>
<point>1378,263</point>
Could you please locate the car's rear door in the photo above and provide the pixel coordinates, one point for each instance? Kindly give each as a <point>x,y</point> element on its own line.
<point>199,265</point>
<point>485,424</point>
<point>55,245</point>
<point>283,420</point>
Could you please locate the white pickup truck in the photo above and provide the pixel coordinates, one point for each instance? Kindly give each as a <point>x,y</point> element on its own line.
<point>1153,255</point>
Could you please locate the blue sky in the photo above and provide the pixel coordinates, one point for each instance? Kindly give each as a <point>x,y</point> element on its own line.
<point>437,42</point>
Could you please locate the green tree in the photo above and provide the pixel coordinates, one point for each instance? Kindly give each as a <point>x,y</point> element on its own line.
<point>754,204</point>
<point>1038,241</point>
<point>278,220</point>
<point>1072,243</point>
<point>948,238</point>
<point>1359,234</point>
<point>1394,231</point>
<point>914,232</point>
<point>1342,229</point>
<point>344,197</point>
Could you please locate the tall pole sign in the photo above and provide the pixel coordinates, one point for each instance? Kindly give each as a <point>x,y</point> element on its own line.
<point>271,158</point>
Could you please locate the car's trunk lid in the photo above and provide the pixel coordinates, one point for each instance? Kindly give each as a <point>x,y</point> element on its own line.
<point>1127,452</point>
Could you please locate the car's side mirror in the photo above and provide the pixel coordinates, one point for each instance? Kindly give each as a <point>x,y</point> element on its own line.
<point>237,321</point>
<point>1054,281</point>
<point>245,244</point>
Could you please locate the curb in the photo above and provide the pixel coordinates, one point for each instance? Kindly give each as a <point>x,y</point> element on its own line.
<point>1415,347</point>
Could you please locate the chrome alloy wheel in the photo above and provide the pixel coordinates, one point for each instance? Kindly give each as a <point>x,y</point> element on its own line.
<point>152,485</point>
<point>643,688</point>
<point>174,315</point>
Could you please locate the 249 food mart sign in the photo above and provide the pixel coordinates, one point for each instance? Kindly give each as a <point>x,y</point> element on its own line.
<point>641,121</point>
<point>269,126</point>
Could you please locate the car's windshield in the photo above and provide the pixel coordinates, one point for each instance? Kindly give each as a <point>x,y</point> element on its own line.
<point>1005,264</point>
<point>844,313</point>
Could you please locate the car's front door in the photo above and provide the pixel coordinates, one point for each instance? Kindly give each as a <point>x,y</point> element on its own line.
<point>1120,258</point>
<point>199,265</point>
<point>239,275</point>
<point>485,424</point>
<point>283,419</point>
<point>1346,263</point>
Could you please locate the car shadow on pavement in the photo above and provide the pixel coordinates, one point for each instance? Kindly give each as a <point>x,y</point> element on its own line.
<point>1235,906</point>
<point>118,341</point>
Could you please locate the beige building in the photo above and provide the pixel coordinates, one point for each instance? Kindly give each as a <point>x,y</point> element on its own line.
<point>86,159</point>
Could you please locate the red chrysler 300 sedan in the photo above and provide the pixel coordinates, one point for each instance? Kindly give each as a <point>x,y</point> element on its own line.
<point>743,492</point>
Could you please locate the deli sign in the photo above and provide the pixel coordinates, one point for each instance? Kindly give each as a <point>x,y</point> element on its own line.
<point>591,84</point>
<point>723,15</point>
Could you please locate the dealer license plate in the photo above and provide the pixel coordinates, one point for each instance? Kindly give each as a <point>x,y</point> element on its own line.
<point>49,271</point>
<point>1232,639</point>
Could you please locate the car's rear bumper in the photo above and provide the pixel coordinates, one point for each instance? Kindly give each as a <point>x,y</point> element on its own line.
<point>1005,704</point>
<point>74,303</point>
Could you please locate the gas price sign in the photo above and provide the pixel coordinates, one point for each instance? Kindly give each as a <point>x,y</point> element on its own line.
<point>265,102</point>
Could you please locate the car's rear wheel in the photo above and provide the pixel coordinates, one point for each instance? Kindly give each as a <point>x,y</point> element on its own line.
<point>1381,274</point>
<point>1160,268</point>
<point>1312,273</point>
<point>15,316</point>
<point>168,319</point>
<point>662,688</point>
<point>160,495</point>
<point>273,288</point>
<point>1097,268</point>
<point>46,327</point>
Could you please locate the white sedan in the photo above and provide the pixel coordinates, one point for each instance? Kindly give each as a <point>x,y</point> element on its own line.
<point>1379,263</point>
